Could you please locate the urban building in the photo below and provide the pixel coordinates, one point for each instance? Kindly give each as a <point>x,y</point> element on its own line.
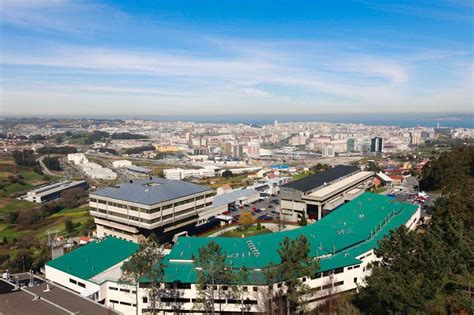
<point>318,194</point>
<point>376,145</point>
<point>179,174</point>
<point>134,210</point>
<point>53,191</point>
<point>343,241</point>
<point>237,197</point>
<point>121,163</point>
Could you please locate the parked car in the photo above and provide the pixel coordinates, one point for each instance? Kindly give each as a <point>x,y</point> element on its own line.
<point>265,217</point>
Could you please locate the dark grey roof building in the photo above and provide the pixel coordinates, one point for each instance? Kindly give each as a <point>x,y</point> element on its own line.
<point>318,194</point>
<point>134,210</point>
<point>151,191</point>
<point>311,182</point>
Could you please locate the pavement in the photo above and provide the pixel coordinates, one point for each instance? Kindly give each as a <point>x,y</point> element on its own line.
<point>267,206</point>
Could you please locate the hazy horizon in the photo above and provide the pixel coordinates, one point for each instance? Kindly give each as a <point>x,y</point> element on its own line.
<point>456,120</point>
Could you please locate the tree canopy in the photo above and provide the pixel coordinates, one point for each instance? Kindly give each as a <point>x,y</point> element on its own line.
<point>429,271</point>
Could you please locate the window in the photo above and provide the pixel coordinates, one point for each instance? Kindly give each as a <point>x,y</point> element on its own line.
<point>73,281</point>
<point>338,270</point>
<point>113,301</point>
<point>336,284</point>
<point>145,299</point>
<point>355,280</point>
<point>113,288</point>
<point>255,289</point>
<point>125,290</point>
<point>318,275</point>
<point>356,266</point>
<point>82,285</point>
<point>183,285</point>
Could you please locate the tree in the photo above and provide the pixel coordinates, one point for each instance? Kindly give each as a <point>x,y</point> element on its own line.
<point>373,166</point>
<point>88,227</point>
<point>212,271</point>
<point>24,158</point>
<point>268,294</point>
<point>303,221</point>
<point>227,174</point>
<point>246,219</point>
<point>239,288</point>
<point>145,265</point>
<point>295,264</point>
<point>69,226</point>
<point>52,163</point>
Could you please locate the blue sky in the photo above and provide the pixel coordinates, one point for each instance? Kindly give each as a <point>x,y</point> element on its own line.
<point>78,57</point>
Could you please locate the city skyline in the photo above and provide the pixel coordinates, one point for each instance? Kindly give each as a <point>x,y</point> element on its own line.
<point>229,58</point>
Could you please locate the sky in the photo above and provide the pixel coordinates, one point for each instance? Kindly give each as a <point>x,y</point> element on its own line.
<point>225,57</point>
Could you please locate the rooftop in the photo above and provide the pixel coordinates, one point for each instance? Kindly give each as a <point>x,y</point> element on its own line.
<point>311,182</point>
<point>232,196</point>
<point>94,258</point>
<point>350,180</point>
<point>340,237</point>
<point>150,191</point>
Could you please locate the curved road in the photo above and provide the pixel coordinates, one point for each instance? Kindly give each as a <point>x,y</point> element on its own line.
<point>43,167</point>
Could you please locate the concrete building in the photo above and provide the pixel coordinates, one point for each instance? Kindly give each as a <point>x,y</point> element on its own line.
<point>53,191</point>
<point>77,158</point>
<point>382,179</point>
<point>343,241</point>
<point>376,145</point>
<point>121,163</point>
<point>327,150</point>
<point>136,209</point>
<point>179,173</point>
<point>138,169</point>
<point>237,197</point>
<point>94,170</point>
<point>318,194</point>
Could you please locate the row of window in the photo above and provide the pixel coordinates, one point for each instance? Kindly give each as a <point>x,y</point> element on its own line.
<point>122,303</point>
<point>353,267</point>
<point>122,290</point>
<point>327,286</point>
<point>81,284</point>
<point>149,211</point>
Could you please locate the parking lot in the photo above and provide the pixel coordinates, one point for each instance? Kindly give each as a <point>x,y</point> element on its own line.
<point>265,209</point>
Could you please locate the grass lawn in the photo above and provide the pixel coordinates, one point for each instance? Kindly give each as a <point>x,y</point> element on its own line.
<point>30,176</point>
<point>300,176</point>
<point>17,188</point>
<point>251,231</point>
<point>52,223</point>
<point>12,204</point>
<point>71,212</point>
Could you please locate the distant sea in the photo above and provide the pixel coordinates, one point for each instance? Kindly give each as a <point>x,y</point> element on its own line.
<point>455,120</point>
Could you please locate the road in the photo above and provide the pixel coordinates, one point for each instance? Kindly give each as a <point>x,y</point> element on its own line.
<point>43,167</point>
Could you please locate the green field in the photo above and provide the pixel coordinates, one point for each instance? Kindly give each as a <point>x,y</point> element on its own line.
<point>251,231</point>
<point>53,222</point>
<point>10,204</point>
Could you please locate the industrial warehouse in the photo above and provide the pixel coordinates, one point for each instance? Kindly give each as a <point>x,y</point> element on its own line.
<point>343,240</point>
